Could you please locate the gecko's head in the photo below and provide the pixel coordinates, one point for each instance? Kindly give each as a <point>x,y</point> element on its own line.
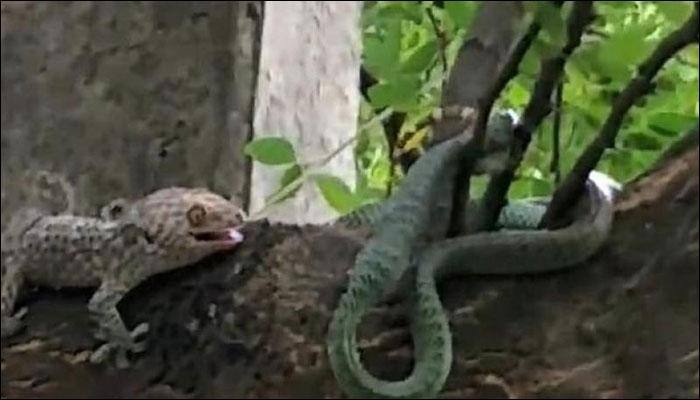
<point>190,224</point>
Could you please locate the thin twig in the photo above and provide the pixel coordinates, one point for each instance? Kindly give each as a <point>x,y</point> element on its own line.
<point>386,113</point>
<point>556,132</point>
<point>442,42</point>
<point>639,86</point>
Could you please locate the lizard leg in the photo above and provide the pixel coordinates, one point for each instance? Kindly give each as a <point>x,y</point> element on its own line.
<point>12,282</point>
<point>111,328</point>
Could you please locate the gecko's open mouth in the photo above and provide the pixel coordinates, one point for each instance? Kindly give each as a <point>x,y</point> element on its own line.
<point>230,236</point>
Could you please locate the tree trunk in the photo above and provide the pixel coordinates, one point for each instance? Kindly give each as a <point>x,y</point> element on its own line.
<point>308,93</point>
<point>123,98</point>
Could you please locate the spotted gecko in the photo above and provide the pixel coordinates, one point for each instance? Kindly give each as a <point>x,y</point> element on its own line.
<point>131,241</point>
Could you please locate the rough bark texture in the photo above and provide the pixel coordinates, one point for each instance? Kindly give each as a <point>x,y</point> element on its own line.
<point>252,324</point>
<point>125,98</point>
<point>307,92</point>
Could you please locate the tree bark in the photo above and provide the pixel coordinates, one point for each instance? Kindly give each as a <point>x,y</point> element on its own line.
<point>252,324</point>
<point>308,93</point>
<point>124,98</point>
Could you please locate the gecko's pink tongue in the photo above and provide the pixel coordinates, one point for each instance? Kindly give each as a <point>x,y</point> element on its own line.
<point>234,235</point>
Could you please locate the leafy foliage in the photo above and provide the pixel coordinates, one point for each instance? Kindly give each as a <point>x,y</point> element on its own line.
<point>271,151</point>
<point>403,47</point>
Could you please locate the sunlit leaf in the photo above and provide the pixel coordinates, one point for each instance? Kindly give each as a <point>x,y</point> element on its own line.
<point>271,151</point>
<point>421,58</point>
<point>401,10</point>
<point>619,54</point>
<point>288,185</point>
<point>641,141</point>
<point>382,50</point>
<point>676,11</point>
<point>550,18</point>
<point>401,93</point>
<point>670,124</point>
<point>336,193</point>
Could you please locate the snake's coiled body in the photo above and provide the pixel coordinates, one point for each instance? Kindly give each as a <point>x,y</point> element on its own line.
<point>403,227</point>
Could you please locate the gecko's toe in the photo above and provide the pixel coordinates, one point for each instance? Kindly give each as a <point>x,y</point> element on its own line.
<point>13,325</point>
<point>122,361</point>
<point>121,348</point>
<point>140,329</point>
<point>101,354</point>
<point>139,347</point>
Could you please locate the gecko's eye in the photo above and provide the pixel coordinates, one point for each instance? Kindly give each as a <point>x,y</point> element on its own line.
<point>116,210</point>
<point>195,215</point>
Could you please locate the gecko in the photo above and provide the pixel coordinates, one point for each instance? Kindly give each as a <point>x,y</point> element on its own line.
<point>131,241</point>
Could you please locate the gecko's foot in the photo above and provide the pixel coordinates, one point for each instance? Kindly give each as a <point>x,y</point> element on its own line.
<point>12,325</point>
<point>121,347</point>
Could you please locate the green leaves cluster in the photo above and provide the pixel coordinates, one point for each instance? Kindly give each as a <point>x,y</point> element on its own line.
<point>621,37</point>
<point>403,53</point>
<point>279,152</point>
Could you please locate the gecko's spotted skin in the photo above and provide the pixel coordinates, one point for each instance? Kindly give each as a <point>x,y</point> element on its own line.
<point>166,230</point>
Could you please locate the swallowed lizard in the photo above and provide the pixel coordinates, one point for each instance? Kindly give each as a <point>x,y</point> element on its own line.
<point>166,230</point>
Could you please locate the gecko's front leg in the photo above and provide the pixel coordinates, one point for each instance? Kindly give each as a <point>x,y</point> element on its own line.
<point>111,328</point>
<point>14,262</point>
<point>12,281</point>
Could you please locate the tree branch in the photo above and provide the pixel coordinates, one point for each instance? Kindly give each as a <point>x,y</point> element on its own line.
<point>508,71</point>
<point>536,110</point>
<point>639,86</point>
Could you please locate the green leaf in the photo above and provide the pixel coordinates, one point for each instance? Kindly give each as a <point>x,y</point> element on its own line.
<point>461,12</point>
<point>529,187</point>
<point>400,93</point>
<point>641,141</point>
<point>625,49</point>
<point>517,95</point>
<point>336,193</point>
<point>382,49</point>
<point>401,10</point>
<point>670,124</point>
<point>550,18</point>
<point>676,11</point>
<point>288,185</point>
<point>421,58</point>
<point>271,151</point>
<point>288,177</point>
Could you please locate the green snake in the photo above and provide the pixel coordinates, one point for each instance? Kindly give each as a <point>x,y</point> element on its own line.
<point>408,231</point>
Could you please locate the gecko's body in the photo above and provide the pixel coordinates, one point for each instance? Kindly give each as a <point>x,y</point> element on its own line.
<point>166,230</point>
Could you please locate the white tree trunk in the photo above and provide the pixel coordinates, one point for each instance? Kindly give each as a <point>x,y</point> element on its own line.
<point>308,92</point>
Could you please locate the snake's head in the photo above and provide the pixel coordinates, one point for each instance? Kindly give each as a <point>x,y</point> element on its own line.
<point>189,224</point>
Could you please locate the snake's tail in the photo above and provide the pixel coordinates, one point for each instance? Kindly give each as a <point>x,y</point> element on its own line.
<point>433,352</point>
